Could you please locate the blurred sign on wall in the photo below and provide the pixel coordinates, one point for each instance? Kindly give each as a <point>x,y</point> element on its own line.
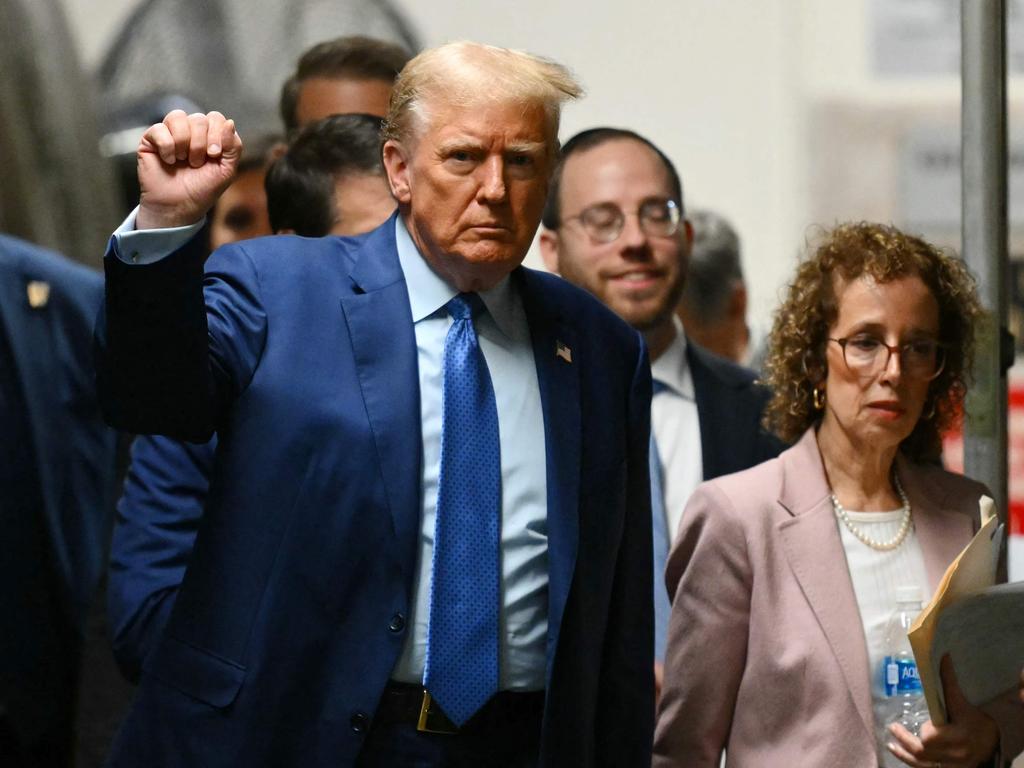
<point>921,38</point>
<point>930,178</point>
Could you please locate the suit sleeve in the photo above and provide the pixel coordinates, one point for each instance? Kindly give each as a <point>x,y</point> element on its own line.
<point>625,719</point>
<point>709,578</point>
<point>158,516</point>
<point>175,345</point>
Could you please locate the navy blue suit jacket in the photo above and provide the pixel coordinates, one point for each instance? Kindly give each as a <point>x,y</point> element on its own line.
<point>730,403</point>
<point>73,458</point>
<point>52,348</point>
<point>301,355</point>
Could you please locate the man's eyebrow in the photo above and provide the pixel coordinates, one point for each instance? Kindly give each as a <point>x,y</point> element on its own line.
<point>526,147</point>
<point>459,143</point>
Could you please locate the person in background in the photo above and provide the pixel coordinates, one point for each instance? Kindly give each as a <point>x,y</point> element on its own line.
<point>614,224</point>
<point>57,477</point>
<point>241,212</point>
<point>713,306</point>
<point>347,75</point>
<point>330,180</point>
<point>783,575</point>
<point>404,558</point>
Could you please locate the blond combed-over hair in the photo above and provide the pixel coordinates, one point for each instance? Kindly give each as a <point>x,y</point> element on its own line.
<point>796,361</point>
<point>466,74</point>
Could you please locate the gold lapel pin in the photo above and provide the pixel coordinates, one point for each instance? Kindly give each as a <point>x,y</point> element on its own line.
<point>38,294</point>
<point>562,350</point>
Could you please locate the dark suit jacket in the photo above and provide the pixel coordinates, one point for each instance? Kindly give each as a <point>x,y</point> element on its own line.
<point>73,451</point>
<point>729,407</point>
<point>301,354</point>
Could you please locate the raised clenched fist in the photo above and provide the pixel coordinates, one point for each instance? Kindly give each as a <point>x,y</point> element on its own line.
<point>184,164</point>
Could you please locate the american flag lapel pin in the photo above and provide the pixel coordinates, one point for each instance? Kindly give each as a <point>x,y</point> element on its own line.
<point>38,293</point>
<point>562,350</point>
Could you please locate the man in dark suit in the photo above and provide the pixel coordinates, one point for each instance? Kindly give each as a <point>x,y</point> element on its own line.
<point>615,225</point>
<point>427,539</point>
<point>57,464</point>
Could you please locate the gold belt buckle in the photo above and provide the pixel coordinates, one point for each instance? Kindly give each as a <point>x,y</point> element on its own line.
<point>432,719</point>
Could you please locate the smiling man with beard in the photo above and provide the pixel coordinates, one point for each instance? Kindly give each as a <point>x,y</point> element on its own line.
<point>615,225</point>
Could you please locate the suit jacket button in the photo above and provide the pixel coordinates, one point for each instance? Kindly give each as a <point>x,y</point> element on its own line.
<point>359,722</point>
<point>397,623</point>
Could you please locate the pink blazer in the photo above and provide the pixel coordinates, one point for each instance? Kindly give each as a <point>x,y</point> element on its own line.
<point>766,652</point>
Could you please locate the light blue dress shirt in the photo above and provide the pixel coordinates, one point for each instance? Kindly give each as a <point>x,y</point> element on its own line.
<point>505,341</point>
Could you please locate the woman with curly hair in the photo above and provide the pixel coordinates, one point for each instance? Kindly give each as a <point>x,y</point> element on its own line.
<point>783,575</point>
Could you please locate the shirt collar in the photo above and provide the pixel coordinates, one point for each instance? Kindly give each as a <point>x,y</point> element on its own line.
<point>671,369</point>
<point>428,291</point>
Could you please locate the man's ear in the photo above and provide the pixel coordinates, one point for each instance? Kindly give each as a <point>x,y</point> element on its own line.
<point>396,164</point>
<point>549,249</point>
<point>738,301</point>
<point>688,233</point>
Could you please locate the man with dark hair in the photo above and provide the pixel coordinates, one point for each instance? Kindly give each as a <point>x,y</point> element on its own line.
<point>614,225</point>
<point>331,180</point>
<point>349,74</point>
<point>714,303</point>
<point>241,212</point>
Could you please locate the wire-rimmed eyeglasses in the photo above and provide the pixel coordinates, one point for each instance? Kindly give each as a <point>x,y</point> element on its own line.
<point>604,222</point>
<point>867,355</point>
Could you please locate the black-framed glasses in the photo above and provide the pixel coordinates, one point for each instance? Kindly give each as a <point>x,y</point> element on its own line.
<point>868,355</point>
<point>659,217</point>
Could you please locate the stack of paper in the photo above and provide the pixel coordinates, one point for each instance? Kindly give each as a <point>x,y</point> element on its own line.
<point>981,626</point>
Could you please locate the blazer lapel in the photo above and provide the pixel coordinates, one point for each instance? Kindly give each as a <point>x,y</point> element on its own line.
<point>715,422</point>
<point>814,549</point>
<point>384,347</point>
<point>30,333</point>
<point>554,340</point>
<point>942,532</point>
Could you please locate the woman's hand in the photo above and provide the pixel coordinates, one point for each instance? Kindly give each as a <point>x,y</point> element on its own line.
<point>969,738</point>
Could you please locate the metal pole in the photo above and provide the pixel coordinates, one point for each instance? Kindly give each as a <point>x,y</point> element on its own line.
<point>984,247</point>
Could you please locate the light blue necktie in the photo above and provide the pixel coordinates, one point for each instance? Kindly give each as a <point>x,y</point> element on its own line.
<point>461,669</point>
<point>659,531</point>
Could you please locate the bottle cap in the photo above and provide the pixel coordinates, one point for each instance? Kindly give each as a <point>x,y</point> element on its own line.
<point>908,594</point>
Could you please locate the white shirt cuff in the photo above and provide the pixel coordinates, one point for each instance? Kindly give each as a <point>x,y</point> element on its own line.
<point>146,246</point>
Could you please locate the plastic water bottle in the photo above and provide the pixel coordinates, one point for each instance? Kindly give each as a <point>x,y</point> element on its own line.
<point>899,696</point>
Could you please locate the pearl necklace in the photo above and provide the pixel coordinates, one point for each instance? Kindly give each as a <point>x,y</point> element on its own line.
<point>881,546</point>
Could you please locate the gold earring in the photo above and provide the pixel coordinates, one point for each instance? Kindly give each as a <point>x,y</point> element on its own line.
<point>931,411</point>
<point>819,399</point>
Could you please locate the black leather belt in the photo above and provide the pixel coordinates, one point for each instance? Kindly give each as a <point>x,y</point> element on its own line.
<point>405,702</point>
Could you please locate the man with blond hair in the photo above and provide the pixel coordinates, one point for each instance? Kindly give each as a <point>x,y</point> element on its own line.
<point>428,540</point>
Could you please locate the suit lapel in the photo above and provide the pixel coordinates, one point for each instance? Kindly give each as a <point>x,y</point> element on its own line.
<point>559,382</point>
<point>814,549</point>
<point>384,347</point>
<point>713,420</point>
<point>32,342</point>
<point>941,532</point>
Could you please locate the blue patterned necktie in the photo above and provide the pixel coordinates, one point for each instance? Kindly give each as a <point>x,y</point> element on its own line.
<point>659,530</point>
<point>461,669</point>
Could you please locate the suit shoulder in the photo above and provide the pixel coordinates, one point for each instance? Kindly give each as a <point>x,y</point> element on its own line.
<point>723,369</point>
<point>763,478</point>
<point>296,253</point>
<point>580,306</point>
<point>73,282</point>
<point>48,265</point>
<point>949,488</point>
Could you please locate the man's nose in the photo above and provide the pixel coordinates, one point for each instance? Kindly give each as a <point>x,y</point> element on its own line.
<point>633,238</point>
<point>492,182</point>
